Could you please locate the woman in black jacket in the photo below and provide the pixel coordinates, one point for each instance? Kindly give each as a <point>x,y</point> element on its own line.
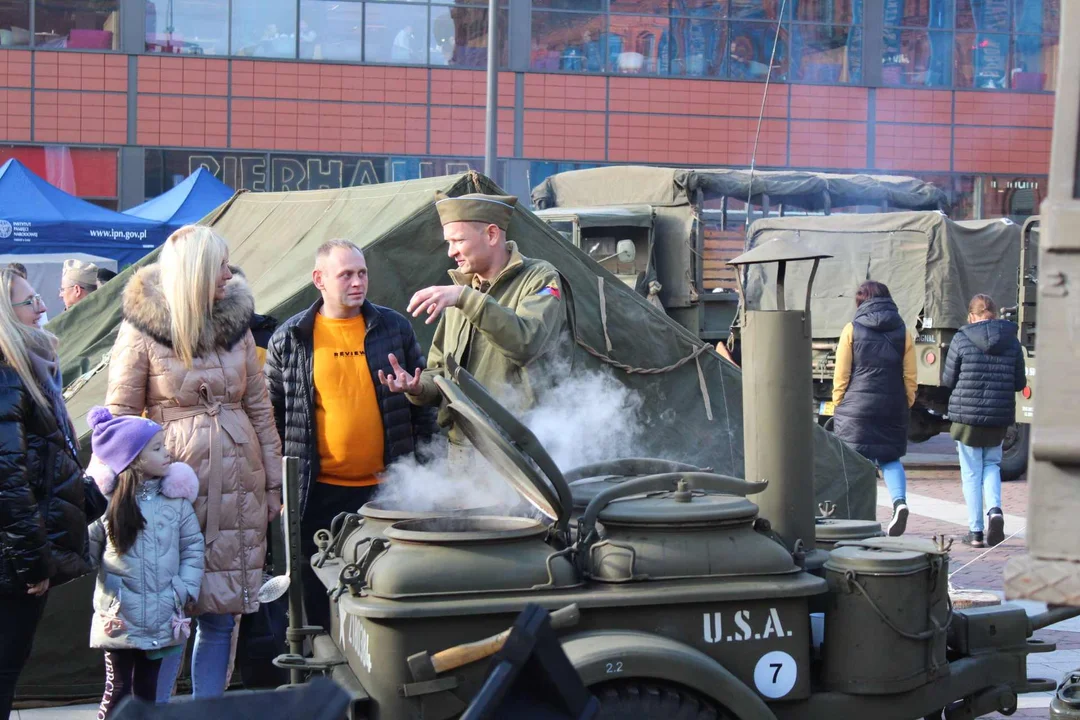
<point>47,502</point>
<point>985,369</point>
<point>874,387</point>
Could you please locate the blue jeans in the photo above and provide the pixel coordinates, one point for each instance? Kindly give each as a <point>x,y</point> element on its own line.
<point>980,471</point>
<point>895,479</point>
<point>209,661</point>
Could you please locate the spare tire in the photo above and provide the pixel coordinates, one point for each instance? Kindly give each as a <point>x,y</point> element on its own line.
<point>632,700</point>
<point>1014,452</point>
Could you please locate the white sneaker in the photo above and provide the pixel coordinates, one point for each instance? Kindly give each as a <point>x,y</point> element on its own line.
<point>899,519</point>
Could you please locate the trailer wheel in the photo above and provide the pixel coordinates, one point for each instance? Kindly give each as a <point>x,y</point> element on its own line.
<point>630,700</point>
<point>1014,452</point>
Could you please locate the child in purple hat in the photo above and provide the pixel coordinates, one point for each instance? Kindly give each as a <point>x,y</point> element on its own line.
<point>149,552</point>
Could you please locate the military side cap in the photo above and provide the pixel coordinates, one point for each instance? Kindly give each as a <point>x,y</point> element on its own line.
<point>476,207</point>
<point>77,272</point>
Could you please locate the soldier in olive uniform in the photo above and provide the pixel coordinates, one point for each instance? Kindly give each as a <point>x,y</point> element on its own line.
<point>503,312</point>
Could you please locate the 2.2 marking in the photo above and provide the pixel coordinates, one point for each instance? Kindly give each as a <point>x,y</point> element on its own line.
<point>614,668</point>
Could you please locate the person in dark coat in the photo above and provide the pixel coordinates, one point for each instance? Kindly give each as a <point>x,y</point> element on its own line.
<point>47,501</point>
<point>331,410</point>
<point>985,368</point>
<point>874,385</point>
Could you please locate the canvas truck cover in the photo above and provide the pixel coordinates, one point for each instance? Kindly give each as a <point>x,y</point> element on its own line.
<point>692,399</point>
<point>931,264</point>
<point>673,187</point>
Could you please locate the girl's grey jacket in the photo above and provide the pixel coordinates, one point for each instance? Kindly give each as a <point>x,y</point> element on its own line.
<point>140,596</point>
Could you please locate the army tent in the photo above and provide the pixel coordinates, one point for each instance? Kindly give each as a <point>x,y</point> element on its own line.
<point>692,399</point>
<point>932,265</point>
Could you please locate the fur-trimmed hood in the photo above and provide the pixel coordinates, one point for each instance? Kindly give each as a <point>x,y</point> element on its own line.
<point>144,306</point>
<point>179,482</point>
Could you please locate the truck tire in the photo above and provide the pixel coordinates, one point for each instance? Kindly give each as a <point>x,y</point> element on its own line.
<point>632,700</point>
<point>1014,452</point>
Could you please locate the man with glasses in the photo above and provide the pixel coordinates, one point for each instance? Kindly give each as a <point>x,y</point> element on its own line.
<point>77,282</point>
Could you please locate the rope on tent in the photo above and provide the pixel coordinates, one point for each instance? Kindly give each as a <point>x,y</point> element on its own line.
<point>630,369</point>
<point>79,382</point>
<point>704,389</point>
<point>603,310</point>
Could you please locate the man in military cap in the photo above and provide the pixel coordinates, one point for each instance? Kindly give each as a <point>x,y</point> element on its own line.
<point>78,280</point>
<point>503,312</point>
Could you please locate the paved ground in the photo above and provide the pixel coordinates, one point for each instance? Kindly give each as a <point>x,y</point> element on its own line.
<point>937,508</point>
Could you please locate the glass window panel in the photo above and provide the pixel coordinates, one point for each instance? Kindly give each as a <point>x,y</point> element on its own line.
<point>331,29</point>
<point>1037,16</point>
<point>573,42</point>
<point>826,54</point>
<point>983,15</point>
<point>750,47</point>
<point>395,34</point>
<point>982,61</point>
<point>459,36</point>
<point>919,13</point>
<point>1035,60</point>
<point>77,24</point>
<point>917,58</point>
<point>698,47</point>
<point>638,45</point>
<point>828,12</point>
<point>585,5</point>
<point>14,23</point>
<point>758,9</point>
<point>700,8</point>
<point>195,27</point>
<point>641,7</point>
<point>264,28</point>
<point>1016,198</point>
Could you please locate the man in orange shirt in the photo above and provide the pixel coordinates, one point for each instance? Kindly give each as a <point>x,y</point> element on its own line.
<point>331,410</point>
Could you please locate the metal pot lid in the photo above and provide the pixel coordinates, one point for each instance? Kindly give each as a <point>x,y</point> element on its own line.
<point>584,490</point>
<point>836,529</point>
<point>382,511</point>
<point>875,560</point>
<point>509,446</point>
<point>669,507</point>
<point>465,529</point>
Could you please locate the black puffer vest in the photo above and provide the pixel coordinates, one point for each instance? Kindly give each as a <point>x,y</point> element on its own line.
<point>873,416</point>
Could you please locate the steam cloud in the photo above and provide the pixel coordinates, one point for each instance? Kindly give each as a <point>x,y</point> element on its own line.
<point>583,416</point>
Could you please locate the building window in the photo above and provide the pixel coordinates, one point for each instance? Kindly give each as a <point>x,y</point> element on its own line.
<point>396,34</point>
<point>77,24</point>
<point>192,28</point>
<point>567,41</point>
<point>15,23</point>
<point>331,30</point>
<point>264,28</point>
<point>981,44</point>
<point>459,36</point>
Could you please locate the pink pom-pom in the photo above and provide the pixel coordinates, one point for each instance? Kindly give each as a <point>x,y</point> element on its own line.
<point>181,482</point>
<point>98,415</point>
<point>104,477</point>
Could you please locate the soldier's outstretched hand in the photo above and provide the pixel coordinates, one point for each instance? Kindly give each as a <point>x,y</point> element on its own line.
<point>400,380</point>
<point>433,300</point>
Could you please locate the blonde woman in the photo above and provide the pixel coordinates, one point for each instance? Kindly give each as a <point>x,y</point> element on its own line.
<point>46,500</point>
<point>185,356</point>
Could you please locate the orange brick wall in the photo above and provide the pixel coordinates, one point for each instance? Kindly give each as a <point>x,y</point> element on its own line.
<point>187,102</point>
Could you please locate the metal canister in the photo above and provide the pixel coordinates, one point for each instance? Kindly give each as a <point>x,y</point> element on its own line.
<point>1066,702</point>
<point>829,531</point>
<point>886,615</point>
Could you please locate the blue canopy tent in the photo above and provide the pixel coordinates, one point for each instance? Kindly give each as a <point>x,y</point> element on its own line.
<point>189,202</point>
<point>37,218</point>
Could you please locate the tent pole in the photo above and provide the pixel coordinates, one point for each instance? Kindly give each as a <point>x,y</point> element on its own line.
<point>490,138</point>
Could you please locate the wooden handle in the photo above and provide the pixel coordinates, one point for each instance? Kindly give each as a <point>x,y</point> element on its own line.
<point>460,655</point>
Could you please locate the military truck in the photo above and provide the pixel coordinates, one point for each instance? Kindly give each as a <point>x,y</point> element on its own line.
<point>932,265</point>
<point>686,224</point>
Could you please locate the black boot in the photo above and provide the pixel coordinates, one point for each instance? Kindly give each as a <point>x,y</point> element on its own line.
<point>995,527</point>
<point>899,517</point>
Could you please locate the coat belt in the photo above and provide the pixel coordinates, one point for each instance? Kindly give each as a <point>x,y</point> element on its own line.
<point>219,422</point>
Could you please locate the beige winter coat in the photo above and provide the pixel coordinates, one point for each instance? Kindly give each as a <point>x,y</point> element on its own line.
<point>217,418</point>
